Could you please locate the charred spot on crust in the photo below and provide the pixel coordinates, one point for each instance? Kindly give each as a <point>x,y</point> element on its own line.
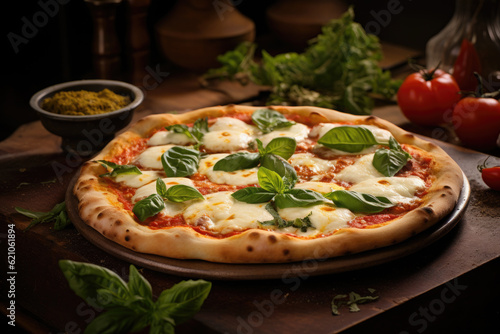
<point>446,187</point>
<point>118,222</point>
<point>286,251</point>
<point>249,248</point>
<point>443,195</point>
<point>370,118</point>
<point>428,210</point>
<point>272,239</point>
<point>409,135</point>
<point>100,214</point>
<point>127,238</point>
<point>254,235</point>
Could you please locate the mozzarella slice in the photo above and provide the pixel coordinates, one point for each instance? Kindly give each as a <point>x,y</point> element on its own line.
<point>170,137</point>
<point>396,189</point>
<point>229,123</point>
<point>226,140</point>
<point>324,218</point>
<point>298,131</point>
<point>361,170</point>
<point>151,157</point>
<point>138,180</point>
<point>321,187</point>
<point>221,213</point>
<point>236,178</point>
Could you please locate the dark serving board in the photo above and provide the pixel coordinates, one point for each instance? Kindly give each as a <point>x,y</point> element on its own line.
<point>223,271</point>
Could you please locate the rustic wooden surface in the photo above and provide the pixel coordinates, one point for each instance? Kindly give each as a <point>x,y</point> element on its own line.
<point>438,289</point>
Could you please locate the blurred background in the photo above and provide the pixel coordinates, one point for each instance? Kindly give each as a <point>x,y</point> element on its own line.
<point>50,41</point>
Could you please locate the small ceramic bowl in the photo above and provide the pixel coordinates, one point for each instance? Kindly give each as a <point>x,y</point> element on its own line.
<point>85,135</point>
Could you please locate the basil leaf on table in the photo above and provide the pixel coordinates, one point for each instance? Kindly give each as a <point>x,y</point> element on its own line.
<point>389,162</point>
<point>180,161</point>
<point>177,193</point>
<point>129,307</point>
<point>58,214</point>
<point>253,195</point>
<point>118,169</point>
<point>268,120</point>
<point>350,139</point>
<point>148,207</point>
<point>237,161</point>
<point>298,198</point>
<point>359,202</point>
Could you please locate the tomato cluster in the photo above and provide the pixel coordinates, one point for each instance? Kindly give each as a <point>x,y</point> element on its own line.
<point>430,98</point>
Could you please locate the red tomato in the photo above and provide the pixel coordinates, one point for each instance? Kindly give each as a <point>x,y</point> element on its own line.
<point>490,175</point>
<point>466,64</point>
<point>476,121</point>
<point>426,97</point>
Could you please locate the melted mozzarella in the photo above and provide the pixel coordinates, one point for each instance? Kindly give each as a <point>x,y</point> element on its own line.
<point>229,123</point>
<point>236,178</point>
<point>361,170</point>
<point>396,189</point>
<point>226,140</point>
<point>138,180</point>
<point>298,131</point>
<point>313,163</point>
<point>221,213</point>
<point>151,157</point>
<point>324,218</point>
<point>321,187</point>
<point>169,137</point>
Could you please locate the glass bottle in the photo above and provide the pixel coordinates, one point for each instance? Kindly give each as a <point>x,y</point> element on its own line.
<point>469,42</point>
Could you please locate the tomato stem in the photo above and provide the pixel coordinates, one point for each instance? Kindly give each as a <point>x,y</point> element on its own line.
<point>483,166</point>
<point>426,74</point>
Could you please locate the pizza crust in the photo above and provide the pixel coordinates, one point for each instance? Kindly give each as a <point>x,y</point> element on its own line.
<point>100,209</point>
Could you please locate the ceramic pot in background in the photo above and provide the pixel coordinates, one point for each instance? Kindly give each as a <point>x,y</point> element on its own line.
<point>295,22</point>
<point>194,32</point>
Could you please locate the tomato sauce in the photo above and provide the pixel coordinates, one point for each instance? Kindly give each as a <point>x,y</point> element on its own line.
<point>419,166</point>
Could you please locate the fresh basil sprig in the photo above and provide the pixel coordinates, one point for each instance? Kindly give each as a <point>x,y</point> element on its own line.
<point>349,138</point>
<point>359,202</point>
<point>280,146</point>
<point>273,188</point>
<point>154,203</point>
<point>196,132</point>
<point>57,214</point>
<point>390,161</point>
<point>180,161</point>
<point>129,307</point>
<point>148,207</point>
<point>268,120</point>
<point>301,223</point>
<point>177,193</point>
<point>118,169</point>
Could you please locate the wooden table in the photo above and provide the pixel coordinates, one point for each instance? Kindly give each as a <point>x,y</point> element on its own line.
<point>449,286</point>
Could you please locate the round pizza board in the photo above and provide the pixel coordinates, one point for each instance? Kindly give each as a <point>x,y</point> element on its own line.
<point>313,267</point>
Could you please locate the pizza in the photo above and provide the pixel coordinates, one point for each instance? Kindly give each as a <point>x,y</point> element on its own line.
<point>244,184</point>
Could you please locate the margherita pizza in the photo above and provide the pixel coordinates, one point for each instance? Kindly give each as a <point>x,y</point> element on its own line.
<point>240,184</point>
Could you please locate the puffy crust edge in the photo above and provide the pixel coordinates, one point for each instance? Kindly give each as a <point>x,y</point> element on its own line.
<point>101,210</point>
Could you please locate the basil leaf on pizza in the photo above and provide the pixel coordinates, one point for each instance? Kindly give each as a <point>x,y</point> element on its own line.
<point>282,168</point>
<point>390,161</point>
<point>280,146</point>
<point>180,161</point>
<point>237,161</point>
<point>268,120</point>
<point>270,180</point>
<point>298,198</point>
<point>359,202</point>
<point>301,223</point>
<point>118,169</point>
<point>148,207</point>
<point>348,138</point>
<point>253,195</point>
<point>177,193</point>
<point>196,132</point>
